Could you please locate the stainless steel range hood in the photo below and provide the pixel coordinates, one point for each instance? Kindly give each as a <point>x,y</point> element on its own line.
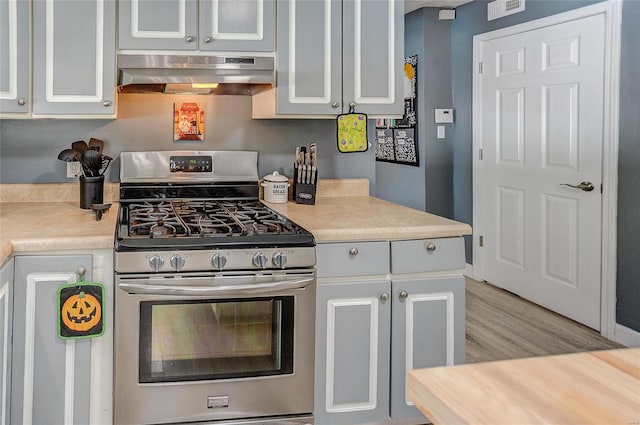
<point>155,70</point>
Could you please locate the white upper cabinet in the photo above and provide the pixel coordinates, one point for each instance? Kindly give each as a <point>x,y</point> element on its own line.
<point>337,54</point>
<point>14,56</point>
<point>73,57</point>
<point>192,25</point>
<point>72,48</point>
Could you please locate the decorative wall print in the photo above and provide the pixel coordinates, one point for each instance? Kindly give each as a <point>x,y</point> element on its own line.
<point>188,122</point>
<point>396,139</point>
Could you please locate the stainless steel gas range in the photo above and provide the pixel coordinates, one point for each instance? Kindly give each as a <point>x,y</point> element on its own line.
<point>215,296</point>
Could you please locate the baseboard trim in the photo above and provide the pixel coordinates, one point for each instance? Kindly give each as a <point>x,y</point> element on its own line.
<point>626,336</point>
<point>468,270</point>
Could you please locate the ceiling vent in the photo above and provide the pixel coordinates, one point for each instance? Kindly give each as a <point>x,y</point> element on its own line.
<point>500,8</point>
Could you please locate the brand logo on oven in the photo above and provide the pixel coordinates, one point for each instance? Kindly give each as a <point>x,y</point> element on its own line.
<point>215,402</point>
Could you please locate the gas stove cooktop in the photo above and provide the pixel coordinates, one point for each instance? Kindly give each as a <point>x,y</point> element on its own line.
<point>169,224</point>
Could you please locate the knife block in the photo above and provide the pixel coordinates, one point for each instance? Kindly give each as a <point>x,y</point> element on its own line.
<point>304,193</point>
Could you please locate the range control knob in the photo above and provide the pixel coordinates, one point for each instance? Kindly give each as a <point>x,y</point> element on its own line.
<point>279,259</point>
<point>260,260</point>
<point>177,262</point>
<point>218,261</point>
<point>156,262</point>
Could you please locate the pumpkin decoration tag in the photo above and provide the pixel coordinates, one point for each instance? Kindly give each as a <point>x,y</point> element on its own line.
<point>80,310</point>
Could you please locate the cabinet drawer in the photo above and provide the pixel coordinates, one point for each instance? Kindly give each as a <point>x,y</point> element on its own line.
<point>352,259</point>
<point>427,255</point>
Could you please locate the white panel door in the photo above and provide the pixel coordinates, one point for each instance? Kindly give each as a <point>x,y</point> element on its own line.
<point>541,121</point>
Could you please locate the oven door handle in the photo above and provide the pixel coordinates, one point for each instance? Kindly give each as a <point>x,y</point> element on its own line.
<point>242,289</point>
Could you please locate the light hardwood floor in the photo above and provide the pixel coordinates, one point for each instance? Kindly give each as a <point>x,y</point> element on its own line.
<point>501,325</point>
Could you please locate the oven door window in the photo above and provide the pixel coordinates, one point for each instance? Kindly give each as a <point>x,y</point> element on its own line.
<point>204,340</point>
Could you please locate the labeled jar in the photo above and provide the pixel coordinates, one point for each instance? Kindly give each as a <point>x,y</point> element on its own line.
<point>276,188</point>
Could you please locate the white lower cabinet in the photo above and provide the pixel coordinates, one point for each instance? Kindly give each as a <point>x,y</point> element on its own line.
<point>6,305</point>
<point>55,380</point>
<point>371,329</point>
<point>352,352</point>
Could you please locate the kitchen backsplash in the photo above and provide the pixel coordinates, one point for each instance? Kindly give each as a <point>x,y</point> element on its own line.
<point>29,148</point>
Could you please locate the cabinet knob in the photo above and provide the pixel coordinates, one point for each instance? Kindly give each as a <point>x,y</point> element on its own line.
<point>352,104</point>
<point>208,39</point>
<point>384,297</point>
<point>430,246</point>
<point>353,251</point>
<point>106,103</point>
<point>335,104</point>
<point>81,274</point>
<point>22,102</point>
<point>404,295</point>
<point>188,39</point>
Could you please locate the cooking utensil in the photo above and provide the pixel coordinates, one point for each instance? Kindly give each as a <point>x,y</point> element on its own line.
<point>96,145</point>
<point>79,146</point>
<point>69,155</point>
<point>106,160</point>
<point>91,162</point>
<point>100,209</point>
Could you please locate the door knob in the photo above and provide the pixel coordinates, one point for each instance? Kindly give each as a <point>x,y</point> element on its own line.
<point>586,186</point>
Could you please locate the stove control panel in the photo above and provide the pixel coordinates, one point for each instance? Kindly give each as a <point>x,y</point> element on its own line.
<point>191,164</point>
<point>215,260</point>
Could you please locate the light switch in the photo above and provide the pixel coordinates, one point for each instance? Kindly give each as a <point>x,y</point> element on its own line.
<point>441,132</point>
<point>443,116</point>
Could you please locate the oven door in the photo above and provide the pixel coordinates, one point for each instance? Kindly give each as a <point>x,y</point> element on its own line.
<point>193,347</point>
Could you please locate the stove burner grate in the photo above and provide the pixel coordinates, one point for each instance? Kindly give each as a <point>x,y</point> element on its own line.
<point>204,218</point>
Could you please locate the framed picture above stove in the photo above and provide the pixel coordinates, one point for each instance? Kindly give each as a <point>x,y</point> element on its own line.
<point>188,122</point>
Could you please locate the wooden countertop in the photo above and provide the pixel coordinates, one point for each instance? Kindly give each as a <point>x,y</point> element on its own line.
<point>600,387</point>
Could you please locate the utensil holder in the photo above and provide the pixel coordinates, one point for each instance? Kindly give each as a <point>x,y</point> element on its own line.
<point>304,193</point>
<point>91,191</point>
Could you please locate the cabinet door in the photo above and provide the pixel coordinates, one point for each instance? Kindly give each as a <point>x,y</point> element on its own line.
<point>73,57</point>
<point>51,379</point>
<point>6,306</point>
<point>164,25</point>
<point>14,56</point>
<point>373,52</point>
<point>237,25</point>
<point>352,353</point>
<point>309,57</point>
<point>428,330</point>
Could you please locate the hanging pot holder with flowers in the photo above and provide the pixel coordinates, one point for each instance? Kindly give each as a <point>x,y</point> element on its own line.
<point>352,132</point>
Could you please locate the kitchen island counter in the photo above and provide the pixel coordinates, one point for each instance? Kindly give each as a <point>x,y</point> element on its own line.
<point>600,387</point>
<point>347,213</point>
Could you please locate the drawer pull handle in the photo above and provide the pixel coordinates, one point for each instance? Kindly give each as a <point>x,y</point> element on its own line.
<point>353,251</point>
<point>384,297</point>
<point>404,295</point>
<point>430,246</point>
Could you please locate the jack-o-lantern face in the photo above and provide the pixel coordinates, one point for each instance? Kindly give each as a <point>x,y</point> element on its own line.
<point>81,312</point>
